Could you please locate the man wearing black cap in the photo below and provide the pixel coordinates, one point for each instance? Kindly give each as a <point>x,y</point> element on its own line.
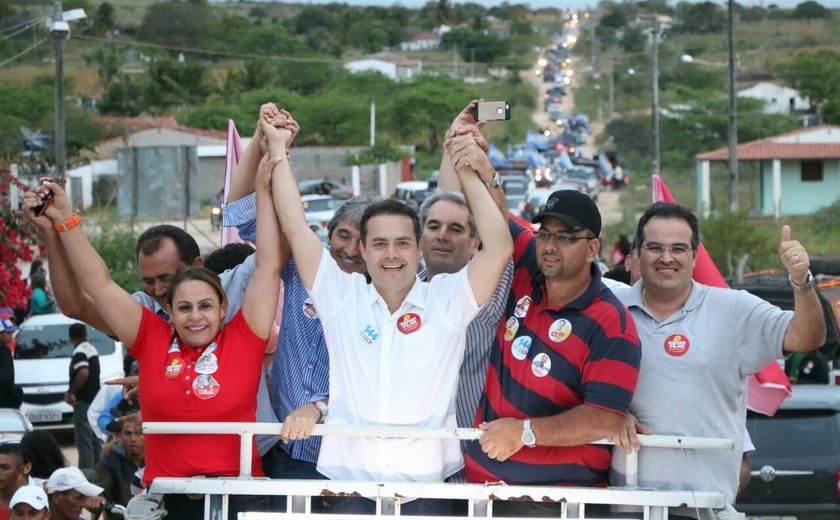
<point>564,362</point>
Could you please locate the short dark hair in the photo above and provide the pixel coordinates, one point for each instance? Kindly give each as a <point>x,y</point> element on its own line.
<point>149,242</point>
<point>42,451</point>
<point>389,207</point>
<point>77,332</point>
<point>12,449</point>
<point>201,274</point>
<point>38,280</point>
<point>227,257</point>
<point>451,196</point>
<point>668,210</point>
<point>351,210</point>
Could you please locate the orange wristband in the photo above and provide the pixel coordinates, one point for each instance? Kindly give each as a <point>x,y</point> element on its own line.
<point>68,224</point>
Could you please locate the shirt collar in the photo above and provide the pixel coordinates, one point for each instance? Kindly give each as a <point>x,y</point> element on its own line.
<point>416,295</point>
<point>633,296</point>
<point>581,302</point>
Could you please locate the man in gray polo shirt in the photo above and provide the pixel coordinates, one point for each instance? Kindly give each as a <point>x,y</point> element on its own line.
<point>699,344</point>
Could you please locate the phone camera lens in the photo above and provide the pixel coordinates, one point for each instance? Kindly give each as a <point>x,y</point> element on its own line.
<point>500,110</point>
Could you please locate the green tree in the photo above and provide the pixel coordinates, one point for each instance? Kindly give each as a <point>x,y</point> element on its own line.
<point>731,240</point>
<point>816,75</point>
<point>633,40</point>
<point>615,17</point>
<point>115,244</point>
<point>173,84</point>
<point>704,17</point>
<point>176,23</point>
<point>810,10</point>
<point>103,18</point>
<point>754,13</point>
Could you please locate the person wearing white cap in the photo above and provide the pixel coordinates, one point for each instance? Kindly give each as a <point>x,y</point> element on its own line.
<point>68,489</point>
<point>30,502</point>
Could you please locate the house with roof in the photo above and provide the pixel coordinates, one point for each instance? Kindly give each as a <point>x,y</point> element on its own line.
<point>799,171</point>
<point>395,67</point>
<point>422,41</point>
<point>778,99</point>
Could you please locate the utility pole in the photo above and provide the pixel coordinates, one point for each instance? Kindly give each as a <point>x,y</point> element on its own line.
<point>733,115</point>
<point>58,38</point>
<point>655,103</point>
<point>611,104</point>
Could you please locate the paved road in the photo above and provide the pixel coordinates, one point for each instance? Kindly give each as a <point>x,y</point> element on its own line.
<point>608,200</point>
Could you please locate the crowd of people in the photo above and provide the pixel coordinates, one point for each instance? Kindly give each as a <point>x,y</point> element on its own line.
<point>516,330</point>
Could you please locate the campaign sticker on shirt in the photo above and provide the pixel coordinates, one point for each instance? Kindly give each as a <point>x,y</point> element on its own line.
<point>408,323</point>
<point>206,387</point>
<point>309,309</point>
<point>369,334</point>
<point>520,347</point>
<point>560,330</point>
<point>207,364</point>
<point>174,368</point>
<point>173,347</point>
<point>676,345</point>
<point>511,326</point>
<point>541,365</point>
<point>522,307</point>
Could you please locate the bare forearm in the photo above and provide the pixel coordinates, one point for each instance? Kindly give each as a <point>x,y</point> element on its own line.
<point>242,183</point>
<point>807,329</point>
<point>79,381</point>
<point>91,272</point>
<point>580,425</point>
<point>492,226</point>
<point>447,178</point>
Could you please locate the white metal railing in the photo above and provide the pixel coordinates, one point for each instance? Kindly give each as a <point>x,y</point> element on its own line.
<point>389,496</point>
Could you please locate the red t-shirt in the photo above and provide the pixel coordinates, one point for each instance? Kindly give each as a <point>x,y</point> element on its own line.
<point>181,384</point>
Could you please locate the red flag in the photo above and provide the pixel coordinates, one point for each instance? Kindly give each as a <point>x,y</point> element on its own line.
<point>769,387</point>
<point>233,151</point>
<point>522,222</point>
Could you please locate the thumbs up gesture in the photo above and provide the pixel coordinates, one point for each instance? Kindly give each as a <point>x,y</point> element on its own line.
<point>794,257</point>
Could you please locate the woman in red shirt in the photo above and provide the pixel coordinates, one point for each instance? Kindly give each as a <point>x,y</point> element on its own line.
<point>196,368</point>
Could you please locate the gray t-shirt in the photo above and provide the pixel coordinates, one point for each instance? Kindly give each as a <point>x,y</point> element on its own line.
<point>693,382</point>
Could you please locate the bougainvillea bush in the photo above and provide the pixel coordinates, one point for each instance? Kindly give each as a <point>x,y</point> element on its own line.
<point>18,236</point>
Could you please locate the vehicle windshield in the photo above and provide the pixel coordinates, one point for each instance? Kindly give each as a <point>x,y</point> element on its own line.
<point>319,205</point>
<point>51,341</point>
<point>772,435</point>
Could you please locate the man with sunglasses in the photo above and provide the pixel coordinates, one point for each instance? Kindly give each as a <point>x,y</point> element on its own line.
<point>564,362</point>
<point>700,343</point>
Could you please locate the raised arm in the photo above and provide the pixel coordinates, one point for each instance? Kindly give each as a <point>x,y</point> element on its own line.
<point>242,183</point>
<point>807,329</point>
<point>486,267</point>
<point>118,309</point>
<point>259,304</point>
<point>465,124</point>
<point>306,246</point>
<point>71,298</point>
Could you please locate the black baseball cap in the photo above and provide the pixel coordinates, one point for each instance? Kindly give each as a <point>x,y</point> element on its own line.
<point>577,210</point>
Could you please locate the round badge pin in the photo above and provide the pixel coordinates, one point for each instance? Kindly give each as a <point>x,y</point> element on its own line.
<point>207,364</point>
<point>522,307</point>
<point>511,326</point>
<point>309,309</point>
<point>408,323</point>
<point>520,347</point>
<point>173,368</point>
<point>541,365</point>
<point>206,387</point>
<point>676,345</point>
<point>560,330</point>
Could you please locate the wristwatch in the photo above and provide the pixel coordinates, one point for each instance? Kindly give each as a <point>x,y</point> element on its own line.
<point>807,286</point>
<point>322,407</point>
<point>495,182</point>
<point>528,437</point>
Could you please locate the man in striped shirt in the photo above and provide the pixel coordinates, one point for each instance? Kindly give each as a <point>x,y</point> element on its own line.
<point>564,363</point>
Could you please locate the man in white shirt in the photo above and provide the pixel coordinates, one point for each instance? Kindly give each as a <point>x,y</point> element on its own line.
<point>395,343</point>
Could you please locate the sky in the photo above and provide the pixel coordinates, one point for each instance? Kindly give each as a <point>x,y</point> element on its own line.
<point>534,4</point>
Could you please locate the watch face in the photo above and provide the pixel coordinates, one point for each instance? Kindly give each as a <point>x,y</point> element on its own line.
<point>529,438</point>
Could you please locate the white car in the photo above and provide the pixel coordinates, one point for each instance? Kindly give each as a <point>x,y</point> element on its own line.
<point>13,425</point>
<point>42,367</point>
<point>319,210</point>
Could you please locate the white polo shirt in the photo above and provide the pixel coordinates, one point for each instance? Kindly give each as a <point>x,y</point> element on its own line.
<point>392,369</point>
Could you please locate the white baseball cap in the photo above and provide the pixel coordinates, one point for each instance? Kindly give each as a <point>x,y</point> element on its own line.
<point>63,479</point>
<point>32,495</point>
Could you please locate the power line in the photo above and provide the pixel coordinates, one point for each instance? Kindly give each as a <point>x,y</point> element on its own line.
<point>33,21</point>
<point>24,28</point>
<point>21,53</point>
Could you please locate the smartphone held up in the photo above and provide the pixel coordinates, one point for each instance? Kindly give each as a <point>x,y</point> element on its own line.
<point>492,111</point>
<point>48,200</point>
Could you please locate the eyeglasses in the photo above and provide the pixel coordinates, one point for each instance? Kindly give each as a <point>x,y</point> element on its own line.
<point>675,249</point>
<point>564,239</point>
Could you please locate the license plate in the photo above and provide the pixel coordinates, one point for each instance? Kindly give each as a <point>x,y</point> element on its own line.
<point>42,416</point>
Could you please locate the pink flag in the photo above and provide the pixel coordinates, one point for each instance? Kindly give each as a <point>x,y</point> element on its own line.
<point>769,387</point>
<point>233,151</point>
